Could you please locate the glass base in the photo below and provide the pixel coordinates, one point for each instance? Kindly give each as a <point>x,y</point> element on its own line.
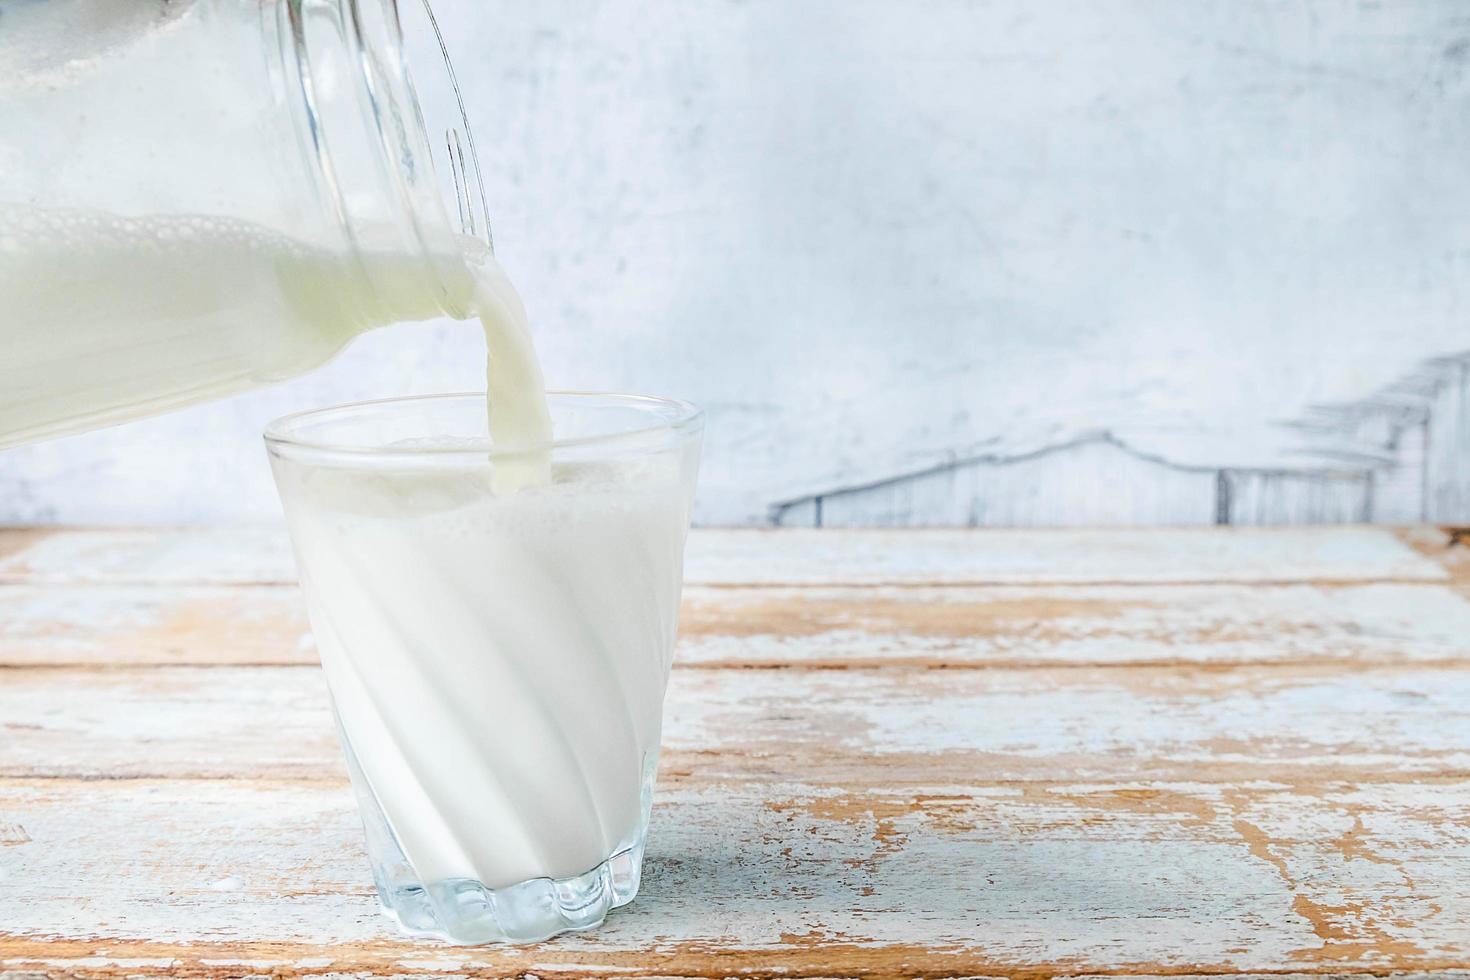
<point>466,912</point>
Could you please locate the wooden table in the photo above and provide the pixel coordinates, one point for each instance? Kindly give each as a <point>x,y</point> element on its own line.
<point>940,753</point>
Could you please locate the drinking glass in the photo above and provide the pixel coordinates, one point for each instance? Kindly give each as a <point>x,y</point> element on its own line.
<point>497,659</point>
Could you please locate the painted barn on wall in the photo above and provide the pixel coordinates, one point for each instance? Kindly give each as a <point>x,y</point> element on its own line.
<point>1398,457</point>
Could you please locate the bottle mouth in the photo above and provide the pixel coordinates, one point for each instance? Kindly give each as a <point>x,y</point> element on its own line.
<point>442,123</point>
<point>384,121</point>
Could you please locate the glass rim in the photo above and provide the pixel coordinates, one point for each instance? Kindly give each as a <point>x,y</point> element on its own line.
<point>684,418</point>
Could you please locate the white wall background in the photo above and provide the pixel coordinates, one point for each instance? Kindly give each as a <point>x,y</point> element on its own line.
<point>870,237</point>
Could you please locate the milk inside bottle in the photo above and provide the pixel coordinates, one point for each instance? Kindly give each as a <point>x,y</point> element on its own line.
<point>108,318</point>
<point>200,198</point>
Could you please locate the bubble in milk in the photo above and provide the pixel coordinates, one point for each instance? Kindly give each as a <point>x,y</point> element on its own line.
<point>76,231</point>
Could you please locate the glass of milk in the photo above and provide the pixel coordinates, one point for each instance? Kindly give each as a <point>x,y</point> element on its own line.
<point>497,650</point>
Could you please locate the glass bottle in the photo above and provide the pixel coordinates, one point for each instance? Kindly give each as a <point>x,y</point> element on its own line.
<point>198,197</point>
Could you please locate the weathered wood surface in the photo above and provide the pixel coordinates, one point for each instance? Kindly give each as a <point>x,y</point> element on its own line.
<point>194,556</point>
<point>1173,753</point>
<point>819,626</point>
<point>1000,724</point>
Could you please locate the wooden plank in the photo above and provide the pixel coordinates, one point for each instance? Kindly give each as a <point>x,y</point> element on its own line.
<point>187,555</point>
<point>807,557</point>
<point>1061,556</point>
<point>1079,625</point>
<point>814,626</point>
<point>121,624</point>
<point>888,726</point>
<point>223,877</point>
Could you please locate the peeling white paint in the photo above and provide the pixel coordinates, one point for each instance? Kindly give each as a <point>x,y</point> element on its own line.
<point>732,557</point>
<point>1060,875</point>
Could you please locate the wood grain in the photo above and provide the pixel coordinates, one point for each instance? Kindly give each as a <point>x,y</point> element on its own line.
<point>1039,878</point>
<point>988,754</point>
<point>131,555</point>
<point>796,557</point>
<point>868,726</point>
<point>826,626</point>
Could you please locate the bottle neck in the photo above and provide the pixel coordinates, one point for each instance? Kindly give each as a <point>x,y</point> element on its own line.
<point>390,146</point>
